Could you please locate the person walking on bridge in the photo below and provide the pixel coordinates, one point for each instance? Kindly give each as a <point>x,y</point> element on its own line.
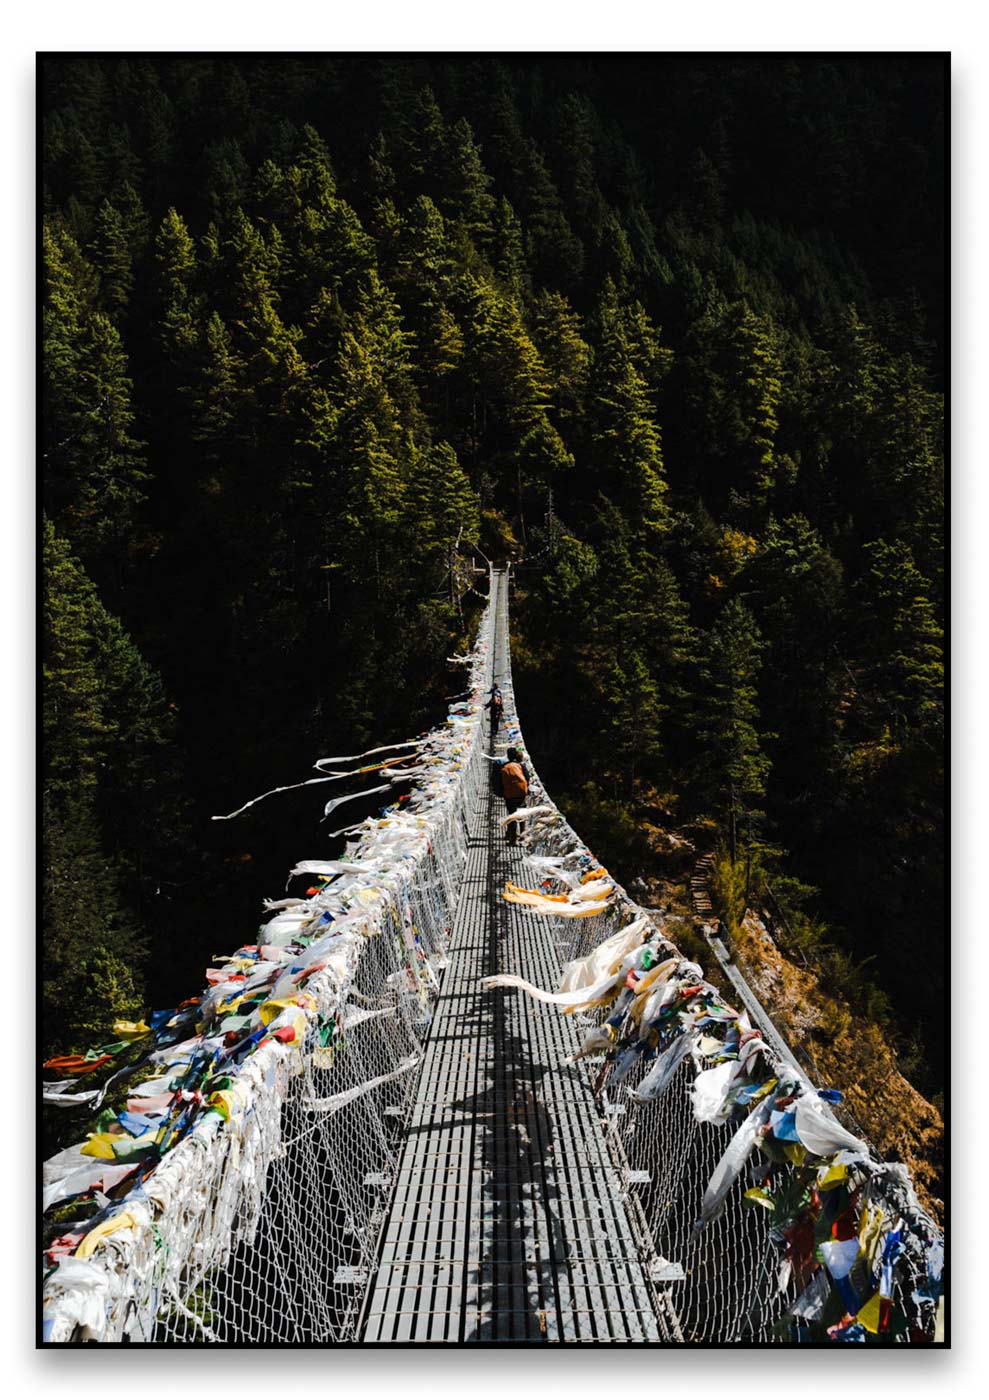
<point>496,705</point>
<point>513,779</point>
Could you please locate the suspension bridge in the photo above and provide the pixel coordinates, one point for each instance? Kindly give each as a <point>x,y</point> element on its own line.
<point>382,1123</point>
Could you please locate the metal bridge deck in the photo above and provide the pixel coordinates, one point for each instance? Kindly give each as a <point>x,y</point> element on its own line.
<point>507,1222</point>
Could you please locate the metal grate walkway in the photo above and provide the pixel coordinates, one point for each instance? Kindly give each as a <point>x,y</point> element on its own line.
<point>507,1222</point>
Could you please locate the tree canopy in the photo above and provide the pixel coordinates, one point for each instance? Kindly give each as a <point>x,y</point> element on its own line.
<point>668,330</point>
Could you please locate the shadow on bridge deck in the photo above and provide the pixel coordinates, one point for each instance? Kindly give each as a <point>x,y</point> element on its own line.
<point>507,1223</point>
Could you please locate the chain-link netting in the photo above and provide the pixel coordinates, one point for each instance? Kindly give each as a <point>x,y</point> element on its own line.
<point>748,1272</point>
<point>254,1215</point>
<point>257,1216</point>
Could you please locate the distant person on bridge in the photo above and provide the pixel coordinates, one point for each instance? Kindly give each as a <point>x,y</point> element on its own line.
<point>496,705</point>
<point>512,777</point>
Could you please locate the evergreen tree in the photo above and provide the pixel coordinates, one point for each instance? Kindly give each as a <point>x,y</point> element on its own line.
<point>630,698</point>
<point>424,271</point>
<point>556,330</point>
<point>795,584</point>
<point>175,264</point>
<point>134,220</point>
<point>381,175</point>
<point>336,390</point>
<point>735,379</point>
<point>419,139</point>
<point>504,381</point>
<point>440,507</point>
<point>508,245</point>
<point>625,441</point>
<point>113,258</point>
<point>95,469</point>
<point>730,768</point>
<point>899,639</point>
<point>704,193</point>
<point>217,389</point>
<point>572,144</point>
<point>543,455</point>
<point>109,806</point>
<point>467,196</point>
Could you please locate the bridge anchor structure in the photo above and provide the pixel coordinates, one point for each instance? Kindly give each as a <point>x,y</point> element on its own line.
<point>352,1138</point>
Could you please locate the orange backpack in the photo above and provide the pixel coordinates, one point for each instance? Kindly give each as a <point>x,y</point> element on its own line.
<point>513,783</point>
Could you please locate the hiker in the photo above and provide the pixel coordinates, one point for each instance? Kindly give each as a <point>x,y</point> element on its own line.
<point>514,778</point>
<point>496,705</point>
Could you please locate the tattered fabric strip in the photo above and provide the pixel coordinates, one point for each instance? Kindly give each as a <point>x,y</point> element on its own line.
<point>368,767</point>
<point>524,814</point>
<point>561,906</point>
<point>554,866</point>
<point>349,830</point>
<point>337,1101</point>
<point>576,998</point>
<point>355,1016</point>
<point>93,1097</point>
<point>333,867</point>
<point>51,1095</point>
<point>733,1160</point>
<point>565,911</point>
<point>660,1076</point>
<point>329,777</point>
<point>385,748</point>
<point>339,801</point>
<point>290,787</point>
<point>605,958</point>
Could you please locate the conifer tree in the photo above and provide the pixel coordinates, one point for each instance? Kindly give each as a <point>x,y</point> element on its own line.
<point>95,470</point>
<point>109,805</point>
<point>615,257</point>
<point>134,220</point>
<point>625,440</point>
<point>705,193</point>
<point>504,379</point>
<point>899,638</point>
<point>217,388</point>
<point>113,258</point>
<point>175,265</point>
<point>446,343</point>
<point>508,250</point>
<point>381,175</point>
<point>440,506</point>
<point>555,252</point>
<point>630,696</point>
<point>467,196</point>
<point>795,584</point>
<point>377,310</point>
<point>419,139</point>
<point>556,330</point>
<point>224,174</point>
<point>342,389</point>
<point>424,267</point>
<point>573,148</point>
<point>735,380</point>
<point>543,455</point>
<point>730,767</point>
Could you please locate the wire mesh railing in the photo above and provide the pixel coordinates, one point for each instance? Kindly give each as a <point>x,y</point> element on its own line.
<point>741,1245</point>
<point>235,1188</point>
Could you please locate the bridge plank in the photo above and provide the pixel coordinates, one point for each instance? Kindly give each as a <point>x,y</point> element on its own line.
<point>507,1223</point>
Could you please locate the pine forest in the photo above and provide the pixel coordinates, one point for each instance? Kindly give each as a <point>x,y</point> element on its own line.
<point>322,335</point>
